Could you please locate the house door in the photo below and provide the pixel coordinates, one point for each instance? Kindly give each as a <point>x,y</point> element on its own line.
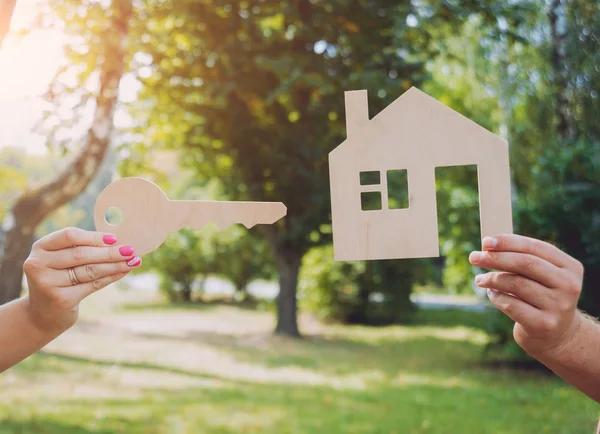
<point>458,223</point>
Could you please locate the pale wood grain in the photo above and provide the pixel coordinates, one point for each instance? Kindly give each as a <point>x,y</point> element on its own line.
<point>416,133</point>
<point>149,216</point>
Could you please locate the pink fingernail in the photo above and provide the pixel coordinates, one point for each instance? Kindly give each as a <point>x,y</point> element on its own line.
<point>478,279</point>
<point>136,261</point>
<point>109,239</point>
<point>126,251</point>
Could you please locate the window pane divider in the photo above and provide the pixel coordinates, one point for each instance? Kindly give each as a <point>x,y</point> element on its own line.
<point>371,188</point>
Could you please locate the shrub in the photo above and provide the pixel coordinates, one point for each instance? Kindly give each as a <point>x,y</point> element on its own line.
<point>365,292</point>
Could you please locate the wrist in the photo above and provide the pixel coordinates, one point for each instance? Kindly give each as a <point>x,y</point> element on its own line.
<point>44,321</point>
<point>563,351</point>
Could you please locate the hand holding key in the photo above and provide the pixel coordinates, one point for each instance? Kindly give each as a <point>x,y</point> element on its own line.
<point>149,216</point>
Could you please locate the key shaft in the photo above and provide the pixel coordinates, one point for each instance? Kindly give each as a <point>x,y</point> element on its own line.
<point>198,214</point>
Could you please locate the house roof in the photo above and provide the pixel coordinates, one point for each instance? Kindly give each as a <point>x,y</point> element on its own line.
<point>414,97</point>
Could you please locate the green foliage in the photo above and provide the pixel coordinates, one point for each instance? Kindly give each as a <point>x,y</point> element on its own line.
<point>16,170</point>
<point>242,256</point>
<point>188,257</point>
<point>555,150</point>
<point>250,96</point>
<point>183,258</point>
<point>459,227</point>
<point>463,77</point>
<point>502,345</point>
<point>19,169</point>
<point>536,86</point>
<point>357,292</point>
<point>12,182</point>
<point>87,46</point>
<point>329,288</point>
<point>253,91</point>
<point>65,216</point>
<point>566,209</point>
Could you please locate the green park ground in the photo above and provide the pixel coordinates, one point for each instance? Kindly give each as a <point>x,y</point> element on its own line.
<point>135,365</point>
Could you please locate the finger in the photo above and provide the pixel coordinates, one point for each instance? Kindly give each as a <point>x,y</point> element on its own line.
<point>527,290</point>
<point>91,272</point>
<point>70,237</point>
<point>516,309</point>
<point>521,244</point>
<point>527,265</point>
<point>85,289</point>
<point>84,255</point>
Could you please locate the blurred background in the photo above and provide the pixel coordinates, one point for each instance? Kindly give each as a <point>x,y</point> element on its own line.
<point>261,331</point>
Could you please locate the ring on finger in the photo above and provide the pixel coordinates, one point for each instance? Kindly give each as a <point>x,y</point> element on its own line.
<point>73,277</point>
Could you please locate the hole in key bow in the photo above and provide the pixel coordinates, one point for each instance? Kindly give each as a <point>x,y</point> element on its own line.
<point>113,216</point>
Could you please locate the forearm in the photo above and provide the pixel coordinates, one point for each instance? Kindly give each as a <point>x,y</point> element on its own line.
<point>578,363</point>
<point>20,336</point>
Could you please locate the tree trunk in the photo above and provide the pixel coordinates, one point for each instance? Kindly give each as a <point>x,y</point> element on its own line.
<point>288,265</point>
<point>557,17</point>
<point>35,204</point>
<point>16,248</point>
<point>6,11</point>
<point>186,292</point>
<point>241,289</point>
<point>359,314</point>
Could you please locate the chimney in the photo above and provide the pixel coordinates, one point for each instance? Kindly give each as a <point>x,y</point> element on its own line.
<point>357,111</point>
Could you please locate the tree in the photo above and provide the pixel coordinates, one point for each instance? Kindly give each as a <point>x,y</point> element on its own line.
<point>557,118</point>
<point>107,57</point>
<point>541,90</point>
<point>570,200</point>
<point>253,91</point>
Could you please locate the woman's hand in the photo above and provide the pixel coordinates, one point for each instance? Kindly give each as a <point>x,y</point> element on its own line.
<point>67,266</point>
<point>538,286</point>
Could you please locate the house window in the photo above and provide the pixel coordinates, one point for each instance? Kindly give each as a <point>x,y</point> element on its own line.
<point>370,178</point>
<point>397,186</point>
<point>387,192</point>
<point>370,200</point>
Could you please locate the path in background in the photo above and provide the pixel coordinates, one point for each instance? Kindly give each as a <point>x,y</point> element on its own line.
<point>269,290</point>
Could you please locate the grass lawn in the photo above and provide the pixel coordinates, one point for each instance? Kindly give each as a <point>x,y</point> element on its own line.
<point>217,369</point>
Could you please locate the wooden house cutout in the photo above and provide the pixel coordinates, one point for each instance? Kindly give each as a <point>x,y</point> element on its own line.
<point>415,133</point>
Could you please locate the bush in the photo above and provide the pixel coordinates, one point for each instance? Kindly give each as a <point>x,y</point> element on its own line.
<point>329,288</point>
<point>180,261</point>
<point>188,257</point>
<point>502,344</point>
<point>242,256</point>
<point>368,292</point>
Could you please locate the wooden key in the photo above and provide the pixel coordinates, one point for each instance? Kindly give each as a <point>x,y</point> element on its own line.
<point>149,216</point>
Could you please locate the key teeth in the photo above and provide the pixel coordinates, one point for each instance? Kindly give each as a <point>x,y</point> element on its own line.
<point>284,210</point>
<point>277,212</point>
